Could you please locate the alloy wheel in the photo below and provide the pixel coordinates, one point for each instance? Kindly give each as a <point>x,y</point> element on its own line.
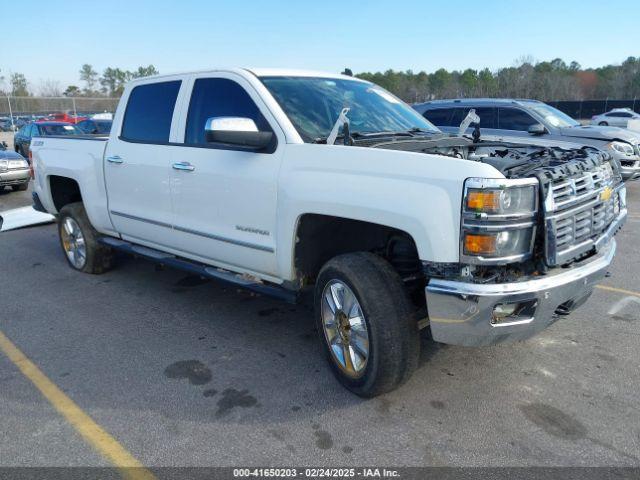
<point>345,329</point>
<point>73,242</point>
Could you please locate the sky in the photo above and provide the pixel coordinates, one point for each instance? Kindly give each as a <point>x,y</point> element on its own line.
<point>56,38</point>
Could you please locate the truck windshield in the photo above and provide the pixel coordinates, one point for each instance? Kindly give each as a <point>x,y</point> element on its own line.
<point>313,105</point>
<point>554,116</point>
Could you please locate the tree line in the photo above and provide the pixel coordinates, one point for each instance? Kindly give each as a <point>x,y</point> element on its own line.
<point>546,81</point>
<point>92,84</point>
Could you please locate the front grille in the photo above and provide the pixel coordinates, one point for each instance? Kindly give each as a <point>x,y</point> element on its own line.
<point>578,210</point>
<point>629,163</point>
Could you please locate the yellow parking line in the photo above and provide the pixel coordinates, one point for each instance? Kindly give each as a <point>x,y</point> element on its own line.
<point>618,290</point>
<point>96,436</point>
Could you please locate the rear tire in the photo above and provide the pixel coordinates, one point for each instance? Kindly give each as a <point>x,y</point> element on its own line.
<point>393,342</point>
<point>79,241</point>
<point>23,187</point>
<point>603,124</point>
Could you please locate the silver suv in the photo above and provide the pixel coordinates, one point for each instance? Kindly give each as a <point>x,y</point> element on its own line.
<point>510,120</point>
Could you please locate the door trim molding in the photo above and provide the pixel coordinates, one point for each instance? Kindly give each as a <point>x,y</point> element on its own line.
<point>211,236</point>
<point>140,219</point>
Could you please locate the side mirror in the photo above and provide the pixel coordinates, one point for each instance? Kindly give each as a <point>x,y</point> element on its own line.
<point>236,131</point>
<point>537,129</point>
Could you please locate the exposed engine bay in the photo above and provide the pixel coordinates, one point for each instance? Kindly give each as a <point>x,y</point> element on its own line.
<point>514,160</point>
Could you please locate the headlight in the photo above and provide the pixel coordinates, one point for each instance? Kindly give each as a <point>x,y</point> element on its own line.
<point>13,164</point>
<point>621,147</point>
<point>502,201</point>
<point>502,244</point>
<point>498,220</point>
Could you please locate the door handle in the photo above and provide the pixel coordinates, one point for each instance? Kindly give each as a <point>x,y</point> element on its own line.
<point>115,159</point>
<point>184,166</point>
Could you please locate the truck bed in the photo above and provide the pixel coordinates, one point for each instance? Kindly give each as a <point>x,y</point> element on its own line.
<point>84,136</point>
<point>74,157</point>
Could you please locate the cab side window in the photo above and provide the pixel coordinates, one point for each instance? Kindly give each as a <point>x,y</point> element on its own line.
<point>514,119</point>
<point>438,116</point>
<point>486,114</point>
<point>219,97</point>
<point>149,112</point>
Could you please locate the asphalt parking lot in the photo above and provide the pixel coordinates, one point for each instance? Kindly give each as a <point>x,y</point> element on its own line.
<point>183,372</point>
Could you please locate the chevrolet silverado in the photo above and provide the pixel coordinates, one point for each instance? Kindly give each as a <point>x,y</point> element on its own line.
<point>281,181</point>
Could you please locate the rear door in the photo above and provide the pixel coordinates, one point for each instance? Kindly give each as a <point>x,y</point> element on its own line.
<point>138,163</point>
<point>619,119</point>
<point>225,202</point>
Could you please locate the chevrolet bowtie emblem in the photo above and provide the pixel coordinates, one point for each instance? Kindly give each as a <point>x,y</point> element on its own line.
<point>606,193</point>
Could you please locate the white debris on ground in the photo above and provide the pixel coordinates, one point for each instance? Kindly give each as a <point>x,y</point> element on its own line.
<point>23,217</point>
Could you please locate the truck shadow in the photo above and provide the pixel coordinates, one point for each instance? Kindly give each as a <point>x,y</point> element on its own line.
<point>199,350</point>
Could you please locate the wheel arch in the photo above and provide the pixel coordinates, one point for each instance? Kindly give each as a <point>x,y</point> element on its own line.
<point>63,190</point>
<point>320,237</point>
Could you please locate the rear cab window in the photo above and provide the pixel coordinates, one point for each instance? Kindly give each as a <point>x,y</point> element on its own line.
<point>149,112</point>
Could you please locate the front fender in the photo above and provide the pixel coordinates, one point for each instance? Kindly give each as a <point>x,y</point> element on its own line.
<point>416,193</point>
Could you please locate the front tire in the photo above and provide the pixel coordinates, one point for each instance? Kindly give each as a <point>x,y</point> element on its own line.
<point>603,124</point>
<point>79,241</point>
<point>366,324</point>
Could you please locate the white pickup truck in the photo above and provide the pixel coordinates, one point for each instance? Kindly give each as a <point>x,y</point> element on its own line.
<point>279,180</point>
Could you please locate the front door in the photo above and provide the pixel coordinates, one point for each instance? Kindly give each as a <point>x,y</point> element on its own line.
<point>224,198</point>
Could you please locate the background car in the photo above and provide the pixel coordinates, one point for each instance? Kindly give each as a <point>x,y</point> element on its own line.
<point>64,117</point>
<point>23,137</point>
<point>14,170</point>
<point>510,119</point>
<point>95,126</point>
<point>618,117</point>
<point>5,124</point>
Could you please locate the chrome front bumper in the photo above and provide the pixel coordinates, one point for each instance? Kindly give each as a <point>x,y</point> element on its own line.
<point>461,313</point>
<point>14,177</point>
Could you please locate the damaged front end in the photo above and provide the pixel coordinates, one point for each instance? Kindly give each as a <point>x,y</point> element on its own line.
<point>573,197</point>
<point>532,245</point>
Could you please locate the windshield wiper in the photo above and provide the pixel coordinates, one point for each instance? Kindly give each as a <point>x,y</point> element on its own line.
<point>343,121</point>
<point>340,136</point>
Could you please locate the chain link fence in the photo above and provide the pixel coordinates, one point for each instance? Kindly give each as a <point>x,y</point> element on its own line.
<point>16,111</point>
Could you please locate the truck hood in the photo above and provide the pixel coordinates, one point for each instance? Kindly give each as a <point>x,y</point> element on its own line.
<point>597,132</point>
<point>10,155</point>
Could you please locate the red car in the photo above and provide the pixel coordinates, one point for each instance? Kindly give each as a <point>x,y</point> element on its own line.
<point>63,117</point>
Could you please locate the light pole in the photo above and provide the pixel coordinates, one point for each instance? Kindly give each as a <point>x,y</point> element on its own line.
<point>13,128</point>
